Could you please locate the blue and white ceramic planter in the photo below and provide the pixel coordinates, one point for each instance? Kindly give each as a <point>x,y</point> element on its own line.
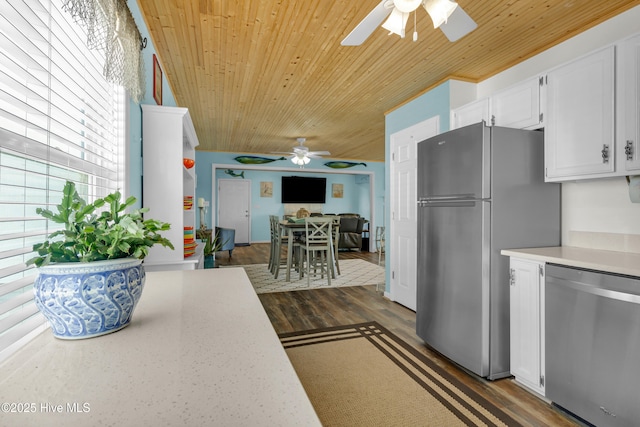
<point>84,300</point>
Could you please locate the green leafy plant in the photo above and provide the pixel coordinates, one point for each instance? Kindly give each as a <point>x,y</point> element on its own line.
<point>213,245</point>
<point>90,235</point>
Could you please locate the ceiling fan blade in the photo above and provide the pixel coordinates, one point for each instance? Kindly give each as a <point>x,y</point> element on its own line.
<point>367,26</point>
<point>318,153</point>
<point>458,25</point>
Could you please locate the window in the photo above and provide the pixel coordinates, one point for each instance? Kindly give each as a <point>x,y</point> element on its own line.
<point>59,120</point>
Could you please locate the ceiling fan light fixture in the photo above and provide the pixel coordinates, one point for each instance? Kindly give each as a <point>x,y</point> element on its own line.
<point>439,10</point>
<point>407,6</point>
<point>396,22</point>
<point>300,160</point>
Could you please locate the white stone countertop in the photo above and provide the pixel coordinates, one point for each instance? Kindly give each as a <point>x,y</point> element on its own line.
<point>200,351</point>
<point>595,259</point>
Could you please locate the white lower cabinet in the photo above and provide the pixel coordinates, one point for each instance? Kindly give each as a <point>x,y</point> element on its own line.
<point>527,323</point>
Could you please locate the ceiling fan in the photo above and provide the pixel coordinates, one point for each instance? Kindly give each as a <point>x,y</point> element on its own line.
<point>445,14</point>
<point>301,154</point>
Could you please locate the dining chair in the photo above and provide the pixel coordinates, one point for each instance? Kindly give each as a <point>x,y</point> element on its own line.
<point>280,250</point>
<point>335,230</point>
<point>273,226</point>
<point>380,242</point>
<point>317,248</point>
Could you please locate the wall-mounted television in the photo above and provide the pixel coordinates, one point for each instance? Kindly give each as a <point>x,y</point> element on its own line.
<point>298,189</point>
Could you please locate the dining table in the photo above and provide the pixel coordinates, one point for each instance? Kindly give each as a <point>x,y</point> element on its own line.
<point>292,227</point>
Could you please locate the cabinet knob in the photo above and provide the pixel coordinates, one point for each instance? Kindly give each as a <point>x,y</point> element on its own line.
<point>605,153</point>
<point>628,149</point>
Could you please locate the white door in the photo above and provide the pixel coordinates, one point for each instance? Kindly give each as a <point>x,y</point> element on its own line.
<point>234,207</point>
<point>402,235</point>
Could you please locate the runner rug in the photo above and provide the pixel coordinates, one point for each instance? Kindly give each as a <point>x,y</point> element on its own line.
<point>363,375</point>
<point>353,272</point>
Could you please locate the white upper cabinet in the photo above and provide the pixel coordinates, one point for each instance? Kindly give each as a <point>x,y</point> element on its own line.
<point>589,109</point>
<point>519,106</point>
<point>628,104</point>
<point>579,130</point>
<point>468,114</point>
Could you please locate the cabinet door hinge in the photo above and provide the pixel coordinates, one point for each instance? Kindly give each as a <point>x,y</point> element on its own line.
<point>393,275</point>
<point>541,270</point>
<point>541,81</point>
<point>512,277</point>
<point>393,157</point>
<point>541,380</point>
<point>541,117</point>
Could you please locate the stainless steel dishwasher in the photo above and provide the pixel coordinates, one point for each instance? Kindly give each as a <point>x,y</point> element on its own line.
<point>593,344</point>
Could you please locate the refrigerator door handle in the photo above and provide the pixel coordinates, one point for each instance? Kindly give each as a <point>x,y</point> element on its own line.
<point>449,197</point>
<point>447,203</point>
<point>462,200</point>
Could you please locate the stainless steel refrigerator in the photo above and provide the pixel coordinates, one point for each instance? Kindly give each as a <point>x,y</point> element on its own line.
<point>480,189</point>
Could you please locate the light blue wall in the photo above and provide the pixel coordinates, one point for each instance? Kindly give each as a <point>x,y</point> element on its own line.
<point>356,188</point>
<point>436,102</point>
<point>135,112</point>
<point>433,103</point>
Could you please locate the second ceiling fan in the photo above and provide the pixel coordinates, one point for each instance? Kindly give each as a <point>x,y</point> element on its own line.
<point>301,155</point>
<point>445,14</point>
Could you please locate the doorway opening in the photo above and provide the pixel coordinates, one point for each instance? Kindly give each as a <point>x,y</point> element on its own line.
<point>214,195</point>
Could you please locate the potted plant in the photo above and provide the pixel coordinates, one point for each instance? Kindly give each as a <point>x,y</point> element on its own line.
<point>211,246</point>
<point>90,272</point>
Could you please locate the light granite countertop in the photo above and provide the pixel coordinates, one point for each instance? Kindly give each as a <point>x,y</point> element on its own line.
<point>200,351</point>
<point>595,259</point>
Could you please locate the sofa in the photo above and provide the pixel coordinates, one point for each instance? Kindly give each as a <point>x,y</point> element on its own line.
<point>351,226</point>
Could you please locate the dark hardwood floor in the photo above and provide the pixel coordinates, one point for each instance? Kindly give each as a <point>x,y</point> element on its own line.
<point>309,309</point>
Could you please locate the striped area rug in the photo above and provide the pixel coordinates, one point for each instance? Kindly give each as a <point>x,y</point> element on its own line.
<point>353,272</point>
<point>363,375</point>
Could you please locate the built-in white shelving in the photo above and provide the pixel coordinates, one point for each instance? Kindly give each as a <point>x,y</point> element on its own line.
<point>168,136</point>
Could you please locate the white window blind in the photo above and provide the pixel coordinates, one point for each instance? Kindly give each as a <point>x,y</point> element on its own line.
<point>59,120</point>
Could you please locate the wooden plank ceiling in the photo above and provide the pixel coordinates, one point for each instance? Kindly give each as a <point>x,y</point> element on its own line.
<point>257,74</point>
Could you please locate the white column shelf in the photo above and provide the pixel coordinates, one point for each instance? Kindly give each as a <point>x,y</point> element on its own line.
<point>168,136</point>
